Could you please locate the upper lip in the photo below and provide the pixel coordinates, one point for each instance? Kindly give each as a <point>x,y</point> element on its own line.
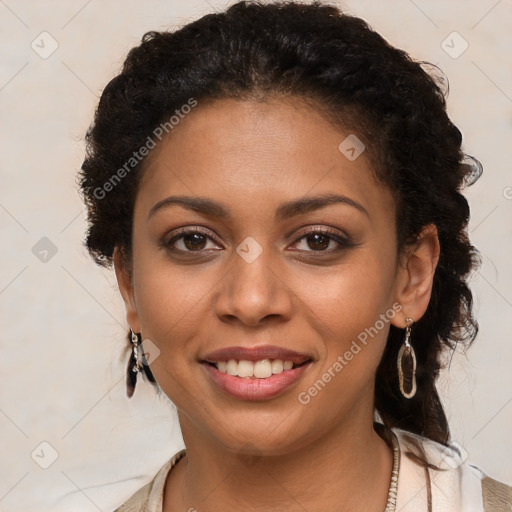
<point>256,354</point>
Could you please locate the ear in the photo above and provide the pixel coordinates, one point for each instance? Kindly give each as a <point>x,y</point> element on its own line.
<point>415,276</point>
<point>125,283</point>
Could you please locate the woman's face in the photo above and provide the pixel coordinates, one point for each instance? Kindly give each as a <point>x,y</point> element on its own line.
<point>271,262</point>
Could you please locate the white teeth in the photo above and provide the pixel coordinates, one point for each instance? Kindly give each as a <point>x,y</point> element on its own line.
<point>231,367</point>
<point>262,369</point>
<point>259,369</point>
<point>277,366</point>
<point>245,369</point>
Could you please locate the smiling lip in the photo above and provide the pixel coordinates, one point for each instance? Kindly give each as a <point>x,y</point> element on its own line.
<point>252,388</point>
<point>256,354</point>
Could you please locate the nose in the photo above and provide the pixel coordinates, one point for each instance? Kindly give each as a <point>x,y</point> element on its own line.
<point>253,292</point>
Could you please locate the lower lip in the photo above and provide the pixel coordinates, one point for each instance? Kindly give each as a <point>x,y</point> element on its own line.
<point>247,388</point>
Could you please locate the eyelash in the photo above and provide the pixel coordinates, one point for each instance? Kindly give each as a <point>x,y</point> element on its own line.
<point>343,242</point>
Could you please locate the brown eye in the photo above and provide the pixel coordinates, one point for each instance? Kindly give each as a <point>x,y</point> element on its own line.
<point>190,241</point>
<point>318,241</point>
<point>194,241</point>
<point>322,241</point>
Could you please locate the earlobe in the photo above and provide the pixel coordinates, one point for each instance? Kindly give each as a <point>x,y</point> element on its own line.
<point>124,281</point>
<point>416,276</point>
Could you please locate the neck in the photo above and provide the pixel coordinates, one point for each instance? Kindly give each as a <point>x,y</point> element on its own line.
<point>350,465</point>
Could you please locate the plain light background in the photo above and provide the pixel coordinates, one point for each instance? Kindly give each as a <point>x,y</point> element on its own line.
<point>63,326</point>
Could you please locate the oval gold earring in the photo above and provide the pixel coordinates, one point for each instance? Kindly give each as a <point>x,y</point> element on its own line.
<point>406,363</point>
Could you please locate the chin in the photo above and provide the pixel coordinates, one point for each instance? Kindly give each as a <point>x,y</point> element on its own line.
<point>269,435</point>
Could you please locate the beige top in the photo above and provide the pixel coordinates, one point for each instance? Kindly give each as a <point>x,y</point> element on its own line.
<point>457,487</point>
<point>150,497</point>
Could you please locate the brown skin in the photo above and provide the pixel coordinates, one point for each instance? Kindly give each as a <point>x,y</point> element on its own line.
<point>252,157</point>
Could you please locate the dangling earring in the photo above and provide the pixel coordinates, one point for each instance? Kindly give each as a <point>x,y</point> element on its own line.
<point>134,364</point>
<point>407,360</point>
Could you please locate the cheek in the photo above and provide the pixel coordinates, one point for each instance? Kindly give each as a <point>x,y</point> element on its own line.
<point>352,307</point>
<point>169,304</point>
<point>352,295</point>
<point>166,296</point>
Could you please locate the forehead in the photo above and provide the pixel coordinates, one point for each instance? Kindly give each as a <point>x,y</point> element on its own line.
<point>252,153</point>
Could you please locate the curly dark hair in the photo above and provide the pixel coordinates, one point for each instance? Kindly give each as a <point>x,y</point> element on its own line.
<point>338,63</point>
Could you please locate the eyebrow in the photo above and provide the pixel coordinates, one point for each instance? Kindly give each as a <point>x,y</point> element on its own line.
<point>286,210</point>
